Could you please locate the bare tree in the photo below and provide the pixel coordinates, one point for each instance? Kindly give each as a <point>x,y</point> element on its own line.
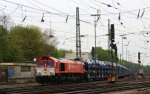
<point>6,21</point>
<point>50,38</point>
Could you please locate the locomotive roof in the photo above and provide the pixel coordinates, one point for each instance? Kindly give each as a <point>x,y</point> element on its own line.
<point>63,60</point>
<point>70,61</point>
<point>47,58</point>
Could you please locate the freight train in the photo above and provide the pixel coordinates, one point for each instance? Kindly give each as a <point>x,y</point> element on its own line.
<point>53,70</point>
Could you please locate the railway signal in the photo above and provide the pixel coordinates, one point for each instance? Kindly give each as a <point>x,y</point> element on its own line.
<point>114,71</point>
<point>112,34</point>
<point>140,69</point>
<point>93,52</point>
<point>139,57</point>
<point>113,76</point>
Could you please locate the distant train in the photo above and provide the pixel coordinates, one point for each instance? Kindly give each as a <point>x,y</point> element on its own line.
<point>52,70</point>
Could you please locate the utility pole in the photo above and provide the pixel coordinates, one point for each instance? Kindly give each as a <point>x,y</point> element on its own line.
<point>108,38</point>
<point>96,18</point>
<point>126,52</point>
<point>122,46</point>
<point>95,24</point>
<point>78,37</point>
<point>124,37</point>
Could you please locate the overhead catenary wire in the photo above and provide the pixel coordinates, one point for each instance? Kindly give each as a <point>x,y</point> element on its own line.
<point>60,14</point>
<point>107,11</point>
<point>39,10</point>
<point>47,11</point>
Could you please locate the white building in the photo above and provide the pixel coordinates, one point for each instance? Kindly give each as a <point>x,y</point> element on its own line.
<point>85,55</point>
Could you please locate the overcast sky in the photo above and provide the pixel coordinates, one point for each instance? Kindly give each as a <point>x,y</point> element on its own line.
<point>59,18</point>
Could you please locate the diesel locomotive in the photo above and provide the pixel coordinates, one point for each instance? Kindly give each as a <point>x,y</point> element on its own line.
<point>53,70</point>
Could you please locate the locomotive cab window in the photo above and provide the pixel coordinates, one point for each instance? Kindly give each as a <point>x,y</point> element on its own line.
<point>40,64</point>
<point>62,66</point>
<point>50,64</point>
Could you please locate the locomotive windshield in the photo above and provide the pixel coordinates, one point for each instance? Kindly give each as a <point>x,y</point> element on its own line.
<point>50,64</point>
<point>40,64</point>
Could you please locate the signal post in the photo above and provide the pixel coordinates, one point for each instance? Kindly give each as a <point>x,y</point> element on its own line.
<point>140,73</point>
<point>113,77</point>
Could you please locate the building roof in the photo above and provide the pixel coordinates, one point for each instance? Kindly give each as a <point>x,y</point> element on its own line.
<point>16,64</point>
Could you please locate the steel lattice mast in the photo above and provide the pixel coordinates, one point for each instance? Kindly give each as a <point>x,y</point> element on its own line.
<point>78,38</point>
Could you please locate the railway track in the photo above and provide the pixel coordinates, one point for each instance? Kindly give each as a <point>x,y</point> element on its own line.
<point>54,88</point>
<point>110,88</point>
<point>78,88</point>
<point>13,85</point>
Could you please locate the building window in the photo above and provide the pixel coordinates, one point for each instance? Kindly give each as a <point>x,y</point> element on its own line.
<point>25,68</point>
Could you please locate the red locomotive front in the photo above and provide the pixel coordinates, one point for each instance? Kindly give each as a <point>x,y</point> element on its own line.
<point>45,66</point>
<point>49,69</point>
